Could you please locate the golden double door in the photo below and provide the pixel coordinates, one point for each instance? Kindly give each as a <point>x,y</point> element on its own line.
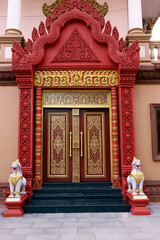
<point>76,145</point>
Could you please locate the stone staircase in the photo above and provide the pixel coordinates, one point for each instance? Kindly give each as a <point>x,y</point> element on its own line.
<point>76,197</point>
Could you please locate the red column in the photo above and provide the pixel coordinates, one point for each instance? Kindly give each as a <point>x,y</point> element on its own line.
<point>115,139</point>
<point>126,119</point>
<point>37,181</point>
<point>25,143</point>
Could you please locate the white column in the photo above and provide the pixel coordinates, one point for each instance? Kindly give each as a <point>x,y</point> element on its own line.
<point>134,14</point>
<point>14,17</point>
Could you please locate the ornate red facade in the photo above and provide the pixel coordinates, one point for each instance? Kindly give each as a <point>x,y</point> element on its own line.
<point>74,39</point>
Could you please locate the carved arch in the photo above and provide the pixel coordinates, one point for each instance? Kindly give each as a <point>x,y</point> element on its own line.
<point>25,58</point>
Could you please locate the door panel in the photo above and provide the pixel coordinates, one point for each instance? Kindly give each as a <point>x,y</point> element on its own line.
<point>57,166</point>
<point>61,149</point>
<point>95,162</point>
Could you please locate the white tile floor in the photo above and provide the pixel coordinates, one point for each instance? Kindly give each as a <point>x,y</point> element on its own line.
<point>82,226</point>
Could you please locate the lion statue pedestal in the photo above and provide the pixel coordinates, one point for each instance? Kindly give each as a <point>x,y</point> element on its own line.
<point>16,180</point>
<point>136,178</point>
<point>135,195</point>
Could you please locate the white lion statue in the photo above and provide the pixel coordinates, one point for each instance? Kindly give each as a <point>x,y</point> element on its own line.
<point>16,180</point>
<point>136,178</point>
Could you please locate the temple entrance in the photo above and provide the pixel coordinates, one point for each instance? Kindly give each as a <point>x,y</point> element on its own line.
<point>75,69</point>
<point>76,145</point>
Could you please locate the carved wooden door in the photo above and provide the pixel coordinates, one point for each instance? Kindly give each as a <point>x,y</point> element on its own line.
<point>95,155</point>
<point>57,158</point>
<point>76,145</point>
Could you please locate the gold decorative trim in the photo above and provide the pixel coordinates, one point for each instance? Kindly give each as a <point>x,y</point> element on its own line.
<point>76,152</point>
<point>114,139</point>
<point>75,146</point>
<point>81,78</point>
<point>100,8</point>
<point>79,98</point>
<point>75,112</point>
<point>63,165</point>
<point>87,144</point>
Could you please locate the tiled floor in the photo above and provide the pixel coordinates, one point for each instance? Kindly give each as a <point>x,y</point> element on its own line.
<point>82,226</point>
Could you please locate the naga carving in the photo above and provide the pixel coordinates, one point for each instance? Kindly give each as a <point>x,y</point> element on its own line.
<point>127,57</point>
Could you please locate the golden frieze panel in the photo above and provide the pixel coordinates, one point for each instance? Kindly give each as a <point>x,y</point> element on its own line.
<point>81,98</point>
<point>76,78</point>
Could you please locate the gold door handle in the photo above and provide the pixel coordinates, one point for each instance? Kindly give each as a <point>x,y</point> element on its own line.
<point>70,147</point>
<point>81,134</point>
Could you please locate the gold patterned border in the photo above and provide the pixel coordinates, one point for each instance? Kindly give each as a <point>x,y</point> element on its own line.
<point>110,114</point>
<point>86,145</point>
<point>81,78</point>
<point>76,145</point>
<point>49,175</point>
<point>79,98</point>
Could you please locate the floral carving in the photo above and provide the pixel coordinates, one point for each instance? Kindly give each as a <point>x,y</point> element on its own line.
<point>34,34</point>
<point>75,50</point>
<point>30,45</point>
<point>127,122</point>
<point>101,20</point>
<point>128,58</point>
<point>131,59</point>
<point>42,30</point>
<point>108,27</point>
<point>75,4</point>
<point>25,127</point>
<point>63,7</point>
<point>115,33</point>
<point>17,50</point>
<point>48,23</point>
<point>27,174</point>
<point>87,7</point>
<point>125,49</point>
<point>94,12</point>
<point>55,13</point>
<point>121,44</point>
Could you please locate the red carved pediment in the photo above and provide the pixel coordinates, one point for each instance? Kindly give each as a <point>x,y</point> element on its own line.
<point>75,49</point>
<point>92,42</point>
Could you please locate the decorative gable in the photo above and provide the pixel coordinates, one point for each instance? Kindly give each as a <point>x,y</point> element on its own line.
<point>75,50</point>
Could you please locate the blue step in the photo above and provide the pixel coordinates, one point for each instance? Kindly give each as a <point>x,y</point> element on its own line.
<point>47,184</point>
<point>77,197</point>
